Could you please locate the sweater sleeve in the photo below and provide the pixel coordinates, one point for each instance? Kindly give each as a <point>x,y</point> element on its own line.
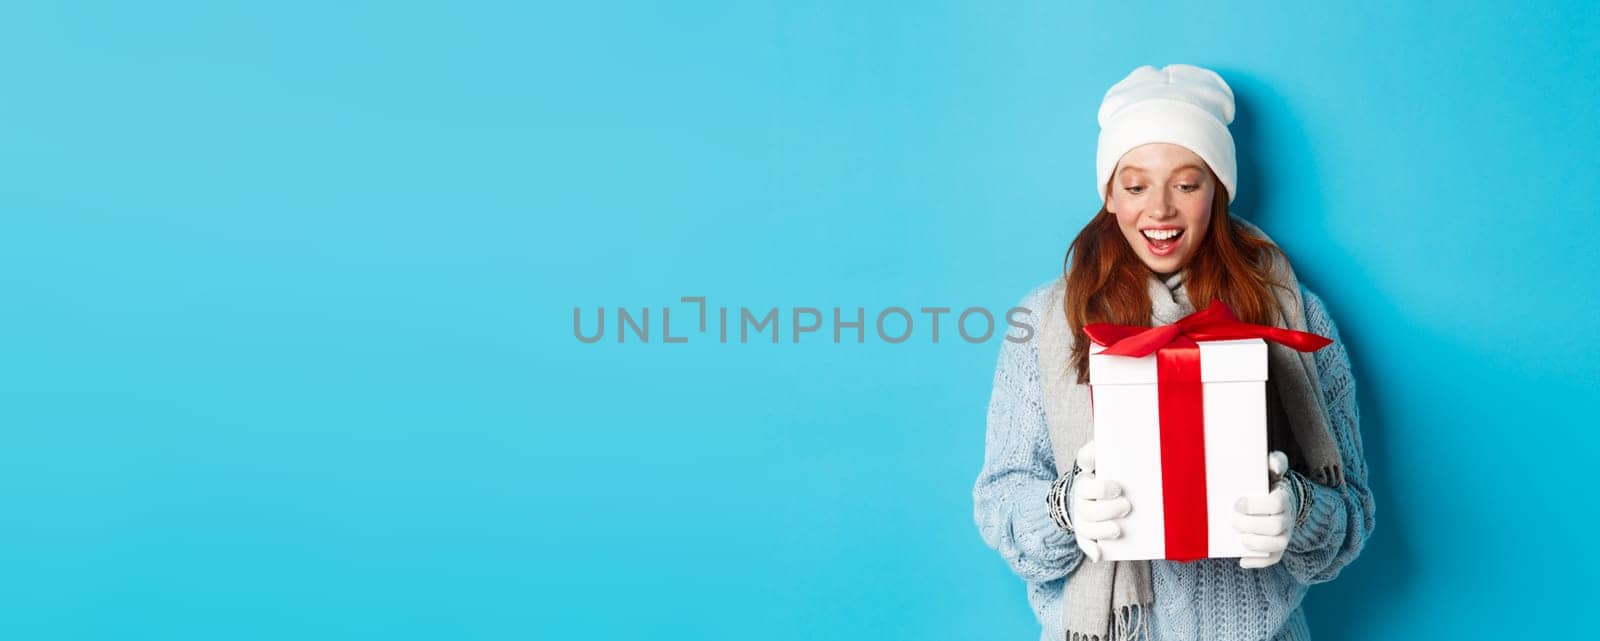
<point>1340,519</point>
<point>1018,469</point>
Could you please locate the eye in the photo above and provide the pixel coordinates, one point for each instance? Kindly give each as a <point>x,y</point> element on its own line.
<point>1134,189</point>
<point>1188,188</point>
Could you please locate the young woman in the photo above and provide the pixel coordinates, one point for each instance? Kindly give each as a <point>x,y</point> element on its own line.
<point>1163,245</point>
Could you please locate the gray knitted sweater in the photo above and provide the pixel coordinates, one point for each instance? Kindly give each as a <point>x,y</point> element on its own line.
<point>1211,599</point>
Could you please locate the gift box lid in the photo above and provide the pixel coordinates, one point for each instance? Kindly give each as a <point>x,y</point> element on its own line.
<point>1242,359</point>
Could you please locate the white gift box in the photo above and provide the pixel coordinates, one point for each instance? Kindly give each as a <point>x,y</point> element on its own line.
<point>1127,434</point>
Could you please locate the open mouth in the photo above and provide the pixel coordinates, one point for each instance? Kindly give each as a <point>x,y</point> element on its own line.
<point>1161,241</point>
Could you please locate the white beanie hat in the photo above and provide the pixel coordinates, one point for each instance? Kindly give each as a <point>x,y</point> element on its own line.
<point>1180,104</point>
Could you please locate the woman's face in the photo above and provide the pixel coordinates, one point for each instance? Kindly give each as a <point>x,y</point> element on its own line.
<point>1161,194</point>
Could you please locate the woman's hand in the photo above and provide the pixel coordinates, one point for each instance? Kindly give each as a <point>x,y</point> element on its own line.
<point>1096,505</point>
<point>1264,522</point>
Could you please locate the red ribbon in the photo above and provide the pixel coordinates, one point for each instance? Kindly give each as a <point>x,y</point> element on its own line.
<point>1182,410</point>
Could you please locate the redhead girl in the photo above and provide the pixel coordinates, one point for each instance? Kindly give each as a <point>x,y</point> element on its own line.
<point>1163,245</point>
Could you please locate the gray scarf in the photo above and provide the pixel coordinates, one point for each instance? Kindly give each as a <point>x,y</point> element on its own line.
<point>1110,600</point>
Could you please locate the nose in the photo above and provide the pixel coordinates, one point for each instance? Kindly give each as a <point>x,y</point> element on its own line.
<point>1159,207</point>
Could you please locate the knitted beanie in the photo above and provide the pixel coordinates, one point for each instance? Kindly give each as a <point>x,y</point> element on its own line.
<point>1184,105</point>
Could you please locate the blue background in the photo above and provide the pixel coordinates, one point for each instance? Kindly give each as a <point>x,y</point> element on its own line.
<point>288,295</point>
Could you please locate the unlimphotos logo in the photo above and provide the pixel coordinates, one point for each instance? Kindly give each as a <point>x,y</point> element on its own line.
<point>894,324</point>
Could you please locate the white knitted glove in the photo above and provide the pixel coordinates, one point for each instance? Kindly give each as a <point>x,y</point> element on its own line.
<point>1096,505</point>
<point>1264,522</point>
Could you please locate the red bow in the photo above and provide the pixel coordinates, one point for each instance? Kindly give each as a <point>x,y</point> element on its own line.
<point>1214,323</point>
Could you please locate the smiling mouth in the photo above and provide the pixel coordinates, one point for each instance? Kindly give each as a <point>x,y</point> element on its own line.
<point>1161,242</point>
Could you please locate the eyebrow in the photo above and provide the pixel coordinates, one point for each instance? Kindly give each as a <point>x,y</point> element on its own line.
<point>1142,169</point>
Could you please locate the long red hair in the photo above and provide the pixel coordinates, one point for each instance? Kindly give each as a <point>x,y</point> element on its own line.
<point>1106,279</point>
